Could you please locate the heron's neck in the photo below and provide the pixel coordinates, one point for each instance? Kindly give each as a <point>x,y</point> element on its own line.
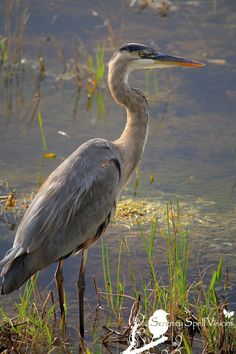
<point>133,139</point>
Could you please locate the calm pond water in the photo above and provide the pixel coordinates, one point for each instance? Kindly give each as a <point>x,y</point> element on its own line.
<point>191,152</point>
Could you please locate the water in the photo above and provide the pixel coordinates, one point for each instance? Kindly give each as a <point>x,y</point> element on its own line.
<point>191,150</point>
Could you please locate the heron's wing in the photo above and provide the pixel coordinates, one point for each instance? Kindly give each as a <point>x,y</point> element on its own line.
<point>90,175</point>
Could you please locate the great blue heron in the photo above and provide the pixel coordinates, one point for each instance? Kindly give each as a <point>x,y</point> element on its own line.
<point>75,204</point>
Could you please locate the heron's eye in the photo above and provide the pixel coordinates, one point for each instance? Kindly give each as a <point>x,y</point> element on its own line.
<point>141,54</point>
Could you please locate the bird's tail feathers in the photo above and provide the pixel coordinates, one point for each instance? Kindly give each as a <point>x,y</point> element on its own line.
<point>16,272</point>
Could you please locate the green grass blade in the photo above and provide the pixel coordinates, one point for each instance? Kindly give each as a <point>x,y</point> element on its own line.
<point>40,121</point>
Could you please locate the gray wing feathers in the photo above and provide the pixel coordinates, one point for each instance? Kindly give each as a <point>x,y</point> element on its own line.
<point>90,175</point>
<point>12,253</point>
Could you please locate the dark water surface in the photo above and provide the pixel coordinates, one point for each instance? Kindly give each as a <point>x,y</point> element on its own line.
<point>191,150</point>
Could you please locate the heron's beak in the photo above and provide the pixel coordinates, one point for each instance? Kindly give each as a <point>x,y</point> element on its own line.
<point>168,60</point>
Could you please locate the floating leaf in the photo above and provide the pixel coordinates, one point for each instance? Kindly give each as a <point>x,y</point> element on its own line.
<point>217,61</point>
<point>49,155</point>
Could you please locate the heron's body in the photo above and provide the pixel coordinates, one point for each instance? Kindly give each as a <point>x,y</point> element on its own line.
<point>58,221</point>
<point>75,204</point>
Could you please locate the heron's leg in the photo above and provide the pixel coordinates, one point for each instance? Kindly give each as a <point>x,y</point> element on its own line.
<point>59,283</point>
<point>81,287</point>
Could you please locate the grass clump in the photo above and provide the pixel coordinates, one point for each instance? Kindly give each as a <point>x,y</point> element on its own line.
<point>199,320</point>
<point>34,328</point>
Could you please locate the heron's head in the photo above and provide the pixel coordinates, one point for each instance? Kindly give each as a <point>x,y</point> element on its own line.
<point>139,56</point>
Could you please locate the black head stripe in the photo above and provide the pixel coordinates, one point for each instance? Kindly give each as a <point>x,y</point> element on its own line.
<point>134,47</point>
